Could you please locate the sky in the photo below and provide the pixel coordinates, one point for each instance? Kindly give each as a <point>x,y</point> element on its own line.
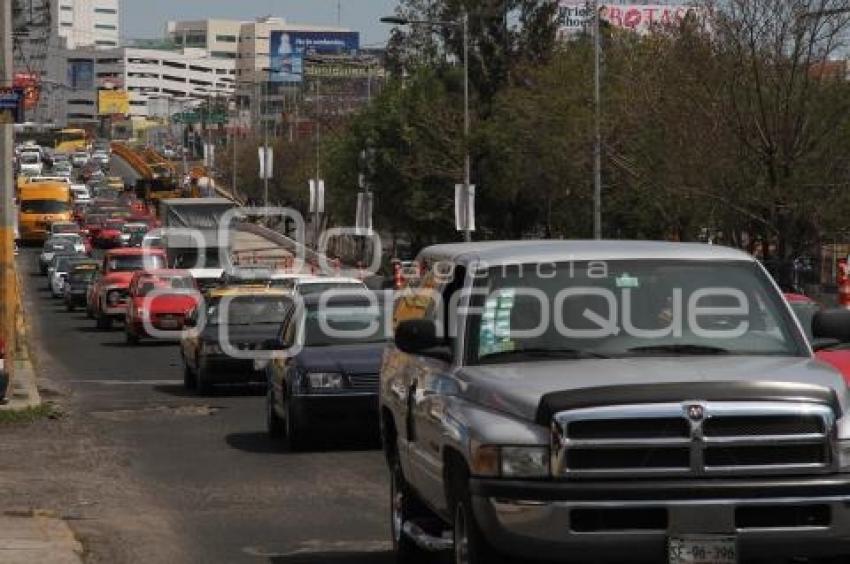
<point>146,18</point>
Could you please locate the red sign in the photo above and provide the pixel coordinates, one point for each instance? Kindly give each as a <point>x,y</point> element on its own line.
<point>29,83</point>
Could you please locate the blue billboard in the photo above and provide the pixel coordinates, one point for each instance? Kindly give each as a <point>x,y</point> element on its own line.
<point>288,48</point>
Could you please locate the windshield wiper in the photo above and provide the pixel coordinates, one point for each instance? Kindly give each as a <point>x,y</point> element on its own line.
<point>542,352</point>
<point>680,349</point>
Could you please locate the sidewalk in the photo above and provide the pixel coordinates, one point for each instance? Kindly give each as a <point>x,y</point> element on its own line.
<point>28,538</point>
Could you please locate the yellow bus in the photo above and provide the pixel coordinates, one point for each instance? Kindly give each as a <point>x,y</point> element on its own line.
<point>41,204</point>
<point>70,140</point>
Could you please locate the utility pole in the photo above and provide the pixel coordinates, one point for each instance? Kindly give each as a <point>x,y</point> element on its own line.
<point>8,301</point>
<point>233,128</point>
<point>266,145</point>
<point>467,164</point>
<point>597,126</point>
<point>318,158</point>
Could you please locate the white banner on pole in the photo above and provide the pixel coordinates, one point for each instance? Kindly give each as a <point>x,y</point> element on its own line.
<point>317,196</point>
<point>363,221</point>
<point>464,207</point>
<point>266,156</point>
<point>209,155</point>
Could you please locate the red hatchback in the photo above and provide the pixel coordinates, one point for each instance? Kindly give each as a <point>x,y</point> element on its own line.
<point>159,300</point>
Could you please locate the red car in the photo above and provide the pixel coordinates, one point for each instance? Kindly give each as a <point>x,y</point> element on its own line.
<point>805,309</point>
<point>107,297</point>
<point>109,236</point>
<point>176,296</point>
<point>92,225</point>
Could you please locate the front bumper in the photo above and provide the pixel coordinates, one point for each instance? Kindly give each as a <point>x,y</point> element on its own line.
<point>117,312</point>
<point>331,408</point>
<point>223,369</point>
<point>75,298</point>
<point>773,519</point>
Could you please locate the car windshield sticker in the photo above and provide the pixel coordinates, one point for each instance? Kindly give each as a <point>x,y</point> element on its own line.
<point>494,336</point>
<point>626,281</point>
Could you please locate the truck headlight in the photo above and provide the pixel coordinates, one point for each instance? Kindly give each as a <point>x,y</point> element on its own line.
<point>325,380</point>
<point>844,455</point>
<point>510,461</point>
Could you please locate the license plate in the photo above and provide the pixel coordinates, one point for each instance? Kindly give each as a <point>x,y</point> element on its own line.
<point>702,549</point>
<point>169,323</point>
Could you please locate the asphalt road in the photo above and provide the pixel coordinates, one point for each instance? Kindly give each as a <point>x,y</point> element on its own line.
<point>230,493</point>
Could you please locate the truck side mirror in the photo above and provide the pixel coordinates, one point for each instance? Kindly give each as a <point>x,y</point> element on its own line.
<point>832,324</point>
<point>419,336</point>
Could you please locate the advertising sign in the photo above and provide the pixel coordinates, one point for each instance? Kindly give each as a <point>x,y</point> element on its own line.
<point>29,83</point>
<point>112,102</point>
<point>343,69</point>
<point>324,42</point>
<point>642,18</point>
<point>286,64</point>
<point>81,74</point>
<point>11,105</point>
<point>288,48</point>
<point>572,17</point>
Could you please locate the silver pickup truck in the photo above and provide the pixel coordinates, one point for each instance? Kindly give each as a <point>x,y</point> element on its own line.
<point>611,401</point>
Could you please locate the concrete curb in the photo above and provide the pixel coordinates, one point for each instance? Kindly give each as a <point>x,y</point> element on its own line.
<point>23,393</point>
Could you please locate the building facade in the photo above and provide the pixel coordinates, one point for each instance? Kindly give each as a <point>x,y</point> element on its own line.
<point>87,23</point>
<point>158,82</point>
<point>218,37</point>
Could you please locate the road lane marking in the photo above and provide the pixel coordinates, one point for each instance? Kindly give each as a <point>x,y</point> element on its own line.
<point>321,547</point>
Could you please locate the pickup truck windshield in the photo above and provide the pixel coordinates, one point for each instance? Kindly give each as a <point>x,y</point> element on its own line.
<point>633,308</point>
<point>133,263</point>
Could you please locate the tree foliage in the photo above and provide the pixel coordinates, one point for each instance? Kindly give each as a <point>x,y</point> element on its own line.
<point>734,126</point>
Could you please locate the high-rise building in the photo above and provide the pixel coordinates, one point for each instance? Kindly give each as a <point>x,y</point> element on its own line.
<point>87,23</point>
<point>219,37</point>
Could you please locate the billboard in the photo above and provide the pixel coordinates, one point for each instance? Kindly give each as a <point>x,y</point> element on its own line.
<point>324,42</point>
<point>11,105</point>
<point>28,82</point>
<point>574,16</point>
<point>111,102</point>
<point>286,65</point>
<point>288,48</point>
<point>641,18</point>
<point>81,74</point>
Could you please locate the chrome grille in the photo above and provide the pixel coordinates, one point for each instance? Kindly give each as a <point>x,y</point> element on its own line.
<point>694,439</point>
<point>363,382</point>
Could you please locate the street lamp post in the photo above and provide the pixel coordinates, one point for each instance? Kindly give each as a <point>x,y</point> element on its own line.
<point>464,26</point>
<point>597,127</point>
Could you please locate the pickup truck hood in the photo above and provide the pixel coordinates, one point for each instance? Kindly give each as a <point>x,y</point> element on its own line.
<point>517,388</point>
<point>178,303</point>
<point>355,358</point>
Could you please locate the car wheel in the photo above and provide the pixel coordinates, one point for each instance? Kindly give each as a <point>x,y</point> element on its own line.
<point>274,424</point>
<point>202,382</point>
<point>294,429</point>
<point>403,507</point>
<point>470,546</point>
<point>104,321</point>
<point>188,376</point>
